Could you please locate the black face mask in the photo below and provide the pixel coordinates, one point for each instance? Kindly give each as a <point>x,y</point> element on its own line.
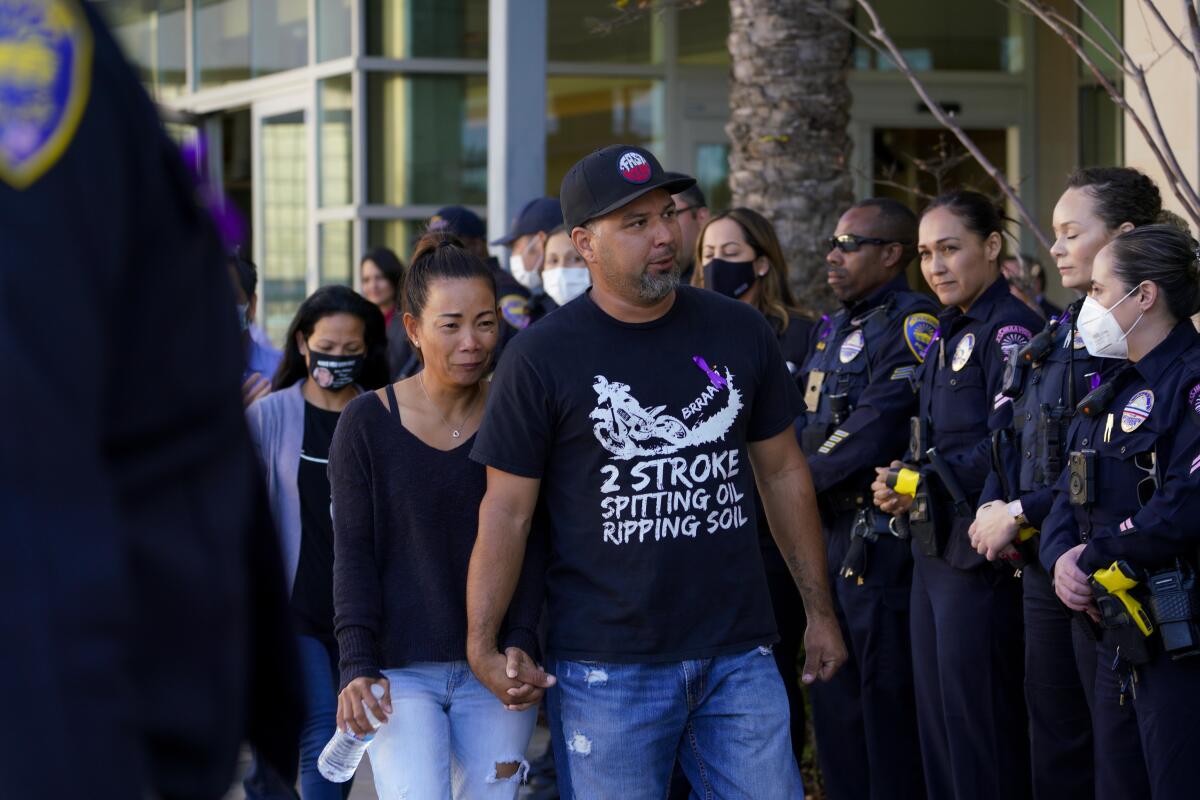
<point>334,372</point>
<point>730,278</point>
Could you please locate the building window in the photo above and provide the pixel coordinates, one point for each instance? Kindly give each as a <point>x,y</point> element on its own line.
<point>1101,122</point>
<point>585,113</point>
<point>978,37</point>
<point>398,235</point>
<point>571,34</point>
<point>154,38</point>
<point>237,40</point>
<point>335,110</point>
<point>704,34</point>
<point>333,29</point>
<point>427,28</point>
<point>284,219</point>
<point>337,253</point>
<point>426,139</point>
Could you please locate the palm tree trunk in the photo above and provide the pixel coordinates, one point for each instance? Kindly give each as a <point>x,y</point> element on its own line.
<point>790,108</point>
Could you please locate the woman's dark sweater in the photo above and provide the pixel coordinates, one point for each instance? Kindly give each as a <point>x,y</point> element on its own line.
<point>405,517</point>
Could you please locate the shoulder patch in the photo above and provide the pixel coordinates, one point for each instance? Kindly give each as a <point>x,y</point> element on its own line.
<point>918,333</point>
<point>1194,402</point>
<point>1012,338</point>
<point>515,310</point>
<point>45,79</point>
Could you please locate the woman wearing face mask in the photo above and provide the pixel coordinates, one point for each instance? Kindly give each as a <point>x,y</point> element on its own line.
<point>738,255</point>
<point>965,613</point>
<point>405,505</point>
<point>1125,510</point>
<point>335,349</point>
<point>565,276</point>
<point>1054,373</point>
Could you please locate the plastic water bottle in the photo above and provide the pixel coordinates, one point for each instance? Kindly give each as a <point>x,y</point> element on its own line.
<point>341,756</point>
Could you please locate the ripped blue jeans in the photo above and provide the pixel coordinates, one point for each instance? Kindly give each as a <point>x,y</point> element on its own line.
<point>448,736</point>
<point>617,729</point>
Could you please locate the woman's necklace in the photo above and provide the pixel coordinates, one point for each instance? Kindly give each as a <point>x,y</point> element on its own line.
<point>455,432</point>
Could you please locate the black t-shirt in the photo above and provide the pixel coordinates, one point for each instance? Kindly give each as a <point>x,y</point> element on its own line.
<point>638,433</point>
<point>312,592</point>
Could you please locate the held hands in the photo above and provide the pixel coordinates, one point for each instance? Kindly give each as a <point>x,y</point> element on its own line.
<point>887,500</point>
<point>350,712</point>
<point>824,650</point>
<point>515,678</point>
<point>1071,584</point>
<point>993,531</point>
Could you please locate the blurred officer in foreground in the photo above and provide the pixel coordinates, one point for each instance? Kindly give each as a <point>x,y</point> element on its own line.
<point>141,588</point>
<point>858,399</point>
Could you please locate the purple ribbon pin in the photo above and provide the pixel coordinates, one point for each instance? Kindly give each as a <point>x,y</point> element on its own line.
<point>712,374</point>
<point>826,327</point>
<point>1095,381</point>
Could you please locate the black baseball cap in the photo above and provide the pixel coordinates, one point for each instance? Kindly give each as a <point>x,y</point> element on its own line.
<point>612,177</point>
<point>540,215</point>
<point>459,220</point>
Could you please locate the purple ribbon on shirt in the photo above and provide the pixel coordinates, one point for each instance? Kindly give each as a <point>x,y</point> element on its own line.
<point>712,374</point>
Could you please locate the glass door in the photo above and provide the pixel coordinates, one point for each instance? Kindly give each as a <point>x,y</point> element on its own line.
<point>283,200</point>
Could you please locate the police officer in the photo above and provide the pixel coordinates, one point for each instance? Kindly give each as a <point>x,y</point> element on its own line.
<point>1049,377</point>
<point>527,243</point>
<point>966,613</point>
<point>858,391</point>
<point>1121,539</point>
<point>142,606</point>
<point>511,295</point>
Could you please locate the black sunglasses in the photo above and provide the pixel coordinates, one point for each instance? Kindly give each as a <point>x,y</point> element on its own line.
<point>850,243</point>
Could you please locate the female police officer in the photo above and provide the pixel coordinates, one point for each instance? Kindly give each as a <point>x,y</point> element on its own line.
<point>1121,539</point>
<point>1051,375</point>
<point>966,614</point>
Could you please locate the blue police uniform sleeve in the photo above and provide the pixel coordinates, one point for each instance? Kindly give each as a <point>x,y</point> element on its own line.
<point>877,430</point>
<point>1165,527</point>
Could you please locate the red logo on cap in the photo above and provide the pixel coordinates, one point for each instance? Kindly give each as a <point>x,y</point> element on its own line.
<point>634,167</point>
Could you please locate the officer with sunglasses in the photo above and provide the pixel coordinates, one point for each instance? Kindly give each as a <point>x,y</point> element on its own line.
<point>858,399</point>
<point>1122,535</point>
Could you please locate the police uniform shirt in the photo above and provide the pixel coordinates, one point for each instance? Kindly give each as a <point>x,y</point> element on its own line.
<point>1146,505</point>
<point>513,299</point>
<point>960,393</point>
<point>1059,382</point>
<point>870,352</point>
<point>143,577</point>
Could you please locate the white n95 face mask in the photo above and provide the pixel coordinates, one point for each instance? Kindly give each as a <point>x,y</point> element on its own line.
<point>566,283</point>
<point>531,279</point>
<point>1100,330</point>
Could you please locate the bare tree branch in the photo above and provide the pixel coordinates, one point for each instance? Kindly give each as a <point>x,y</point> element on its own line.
<point>882,42</point>
<point>1176,178</point>
<point>1162,21</point>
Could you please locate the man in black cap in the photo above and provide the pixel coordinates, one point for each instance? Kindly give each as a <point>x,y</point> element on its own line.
<point>638,418</point>
<point>691,209</point>
<point>527,242</point>
<point>512,297</point>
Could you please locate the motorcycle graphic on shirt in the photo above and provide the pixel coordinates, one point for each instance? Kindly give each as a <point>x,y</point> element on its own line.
<point>627,429</point>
